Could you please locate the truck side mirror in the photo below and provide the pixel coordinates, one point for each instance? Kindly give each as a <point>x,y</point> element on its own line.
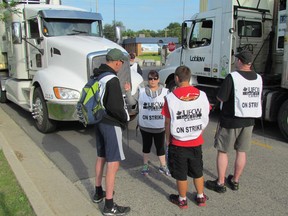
<point>39,40</point>
<point>184,35</point>
<point>118,34</point>
<point>16,33</point>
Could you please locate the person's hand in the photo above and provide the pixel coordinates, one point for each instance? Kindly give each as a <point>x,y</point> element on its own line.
<point>127,86</point>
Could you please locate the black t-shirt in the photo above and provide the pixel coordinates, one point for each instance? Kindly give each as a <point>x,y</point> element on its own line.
<point>226,94</point>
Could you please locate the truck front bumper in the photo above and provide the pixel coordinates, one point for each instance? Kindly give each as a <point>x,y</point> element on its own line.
<point>62,112</point>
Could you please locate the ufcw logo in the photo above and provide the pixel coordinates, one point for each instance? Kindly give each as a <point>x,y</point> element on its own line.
<point>153,106</point>
<point>197,58</point>
<point>251,91</point>
<point>189,115</point>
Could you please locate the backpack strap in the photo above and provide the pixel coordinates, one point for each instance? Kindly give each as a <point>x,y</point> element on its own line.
<point>101,75</point>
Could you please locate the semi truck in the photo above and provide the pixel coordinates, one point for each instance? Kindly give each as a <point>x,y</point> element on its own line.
<point>48,53</point>
<point>211,38</point>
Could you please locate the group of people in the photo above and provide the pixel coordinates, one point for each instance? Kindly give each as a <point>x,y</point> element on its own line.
<point>177,119</point>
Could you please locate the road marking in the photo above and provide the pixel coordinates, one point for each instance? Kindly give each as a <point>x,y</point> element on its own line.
<point>264,145</point>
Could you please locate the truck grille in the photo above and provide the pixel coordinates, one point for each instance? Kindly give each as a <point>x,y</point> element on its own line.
<point>124,74</point>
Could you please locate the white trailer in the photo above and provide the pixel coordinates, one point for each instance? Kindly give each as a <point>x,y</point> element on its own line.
<point>51,51</point>
<point>211,38</point>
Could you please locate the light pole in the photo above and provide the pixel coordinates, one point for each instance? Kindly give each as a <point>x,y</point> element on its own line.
<point>183,10</point>
<point>96,6</point>
<point>114,16</point>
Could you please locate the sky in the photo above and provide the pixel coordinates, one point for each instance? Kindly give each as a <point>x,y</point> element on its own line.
<point>140,14</point>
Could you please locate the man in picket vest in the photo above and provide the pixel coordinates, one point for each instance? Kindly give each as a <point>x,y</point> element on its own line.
<point>109,132</point>
<point>240,95</point>
<point>186,112</point>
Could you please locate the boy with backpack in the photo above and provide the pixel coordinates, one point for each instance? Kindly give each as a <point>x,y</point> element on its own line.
<point>109,132</point>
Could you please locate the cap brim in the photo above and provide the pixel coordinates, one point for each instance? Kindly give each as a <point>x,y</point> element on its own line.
<point>125,58</point>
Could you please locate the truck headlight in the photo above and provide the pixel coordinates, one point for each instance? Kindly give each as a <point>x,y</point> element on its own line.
<point>66,93</point>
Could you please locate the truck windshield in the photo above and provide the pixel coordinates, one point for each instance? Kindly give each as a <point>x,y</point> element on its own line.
<point>61,27</point>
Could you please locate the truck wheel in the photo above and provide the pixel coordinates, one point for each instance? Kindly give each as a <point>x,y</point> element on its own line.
<point>283,119</point>
<point>3,98</point>
<point>40,113</point>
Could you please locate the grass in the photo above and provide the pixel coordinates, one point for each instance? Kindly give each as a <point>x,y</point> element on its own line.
<point>13,201</point>
<point>155,57</point>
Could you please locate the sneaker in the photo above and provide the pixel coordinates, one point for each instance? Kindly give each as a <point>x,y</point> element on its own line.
<point>164,170</point>
<point>97,198</point>
<point>213,185</point>
<point>145,170</point>
<point>116,210</point>
<point>201,201</point>
<point>232,184</point>
<point>175,199</point>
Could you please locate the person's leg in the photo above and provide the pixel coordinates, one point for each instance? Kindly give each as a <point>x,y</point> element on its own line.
<point>195,171</point>
<point>147,144</point>
<point>159,139</point>
<point>199,184</point>
<point>222,163</point>
<point>112,168</point>
<point>178,164</point>
<point>239,165</point>
<point>114,154</point>
<point>200,198</point>
<point>162,160</point>
<point>182,187</point>
<point>145,158</point>
<point>242,145</point>
<point>99,167</point>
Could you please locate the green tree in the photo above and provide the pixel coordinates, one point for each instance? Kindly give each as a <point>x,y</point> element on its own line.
<point>145,32</point>
<point>6,9</point>
<point>109,30</point>
<point>129,33</point>
<point>174,30</point>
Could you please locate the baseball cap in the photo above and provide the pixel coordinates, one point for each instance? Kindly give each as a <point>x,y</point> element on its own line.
<point>116,55</point>
<point>245,57</point>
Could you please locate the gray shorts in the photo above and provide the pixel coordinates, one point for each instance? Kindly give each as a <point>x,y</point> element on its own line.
<point>239,138</point>
<point>109,142</point>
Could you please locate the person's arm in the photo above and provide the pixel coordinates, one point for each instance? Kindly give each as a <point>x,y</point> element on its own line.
<point>167,131</point>
<point>131,100</point>
<point>165,112</point>
<point>113,100</point>
<point>139,70</point>
<point>225,89</point>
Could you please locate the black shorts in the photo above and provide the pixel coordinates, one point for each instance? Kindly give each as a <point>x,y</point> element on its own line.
<point>185,161</point>
<point>147,139</point>
<point>109,142</point>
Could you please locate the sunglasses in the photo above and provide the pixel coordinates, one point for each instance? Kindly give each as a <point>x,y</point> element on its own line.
<point>155,78</point>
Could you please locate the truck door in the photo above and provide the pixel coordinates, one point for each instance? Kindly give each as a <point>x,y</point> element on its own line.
<point>34,46</point>
<point>199,55</point>
<point>251,34</point>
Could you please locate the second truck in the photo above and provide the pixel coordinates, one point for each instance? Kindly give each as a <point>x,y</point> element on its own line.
<point>212,37</point>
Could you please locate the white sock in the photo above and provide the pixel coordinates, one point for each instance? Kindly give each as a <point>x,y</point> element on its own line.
<point>220,184</point>
<point>181,198</point>
<point>200,195</point>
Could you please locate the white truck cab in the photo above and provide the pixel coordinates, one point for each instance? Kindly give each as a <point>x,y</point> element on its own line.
<point>51,52</point>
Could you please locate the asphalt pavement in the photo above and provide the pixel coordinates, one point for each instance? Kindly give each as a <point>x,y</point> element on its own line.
<point>263,188</point>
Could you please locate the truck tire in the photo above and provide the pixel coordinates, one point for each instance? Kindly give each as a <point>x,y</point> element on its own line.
<point>43,123</point>
<point>283,119</point>
<point>3,98</point>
